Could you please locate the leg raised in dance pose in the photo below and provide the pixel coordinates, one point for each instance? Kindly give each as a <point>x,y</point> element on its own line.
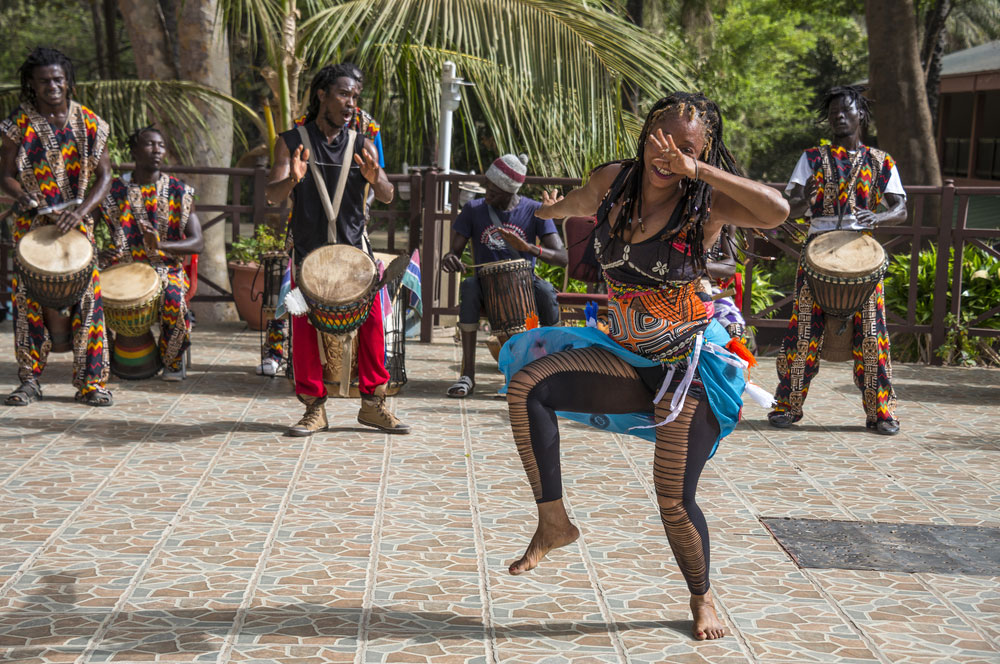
<point>662,357</point>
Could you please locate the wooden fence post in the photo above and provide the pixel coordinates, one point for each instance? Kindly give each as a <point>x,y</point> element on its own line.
<point>941,282</point>
<point>428,254</point>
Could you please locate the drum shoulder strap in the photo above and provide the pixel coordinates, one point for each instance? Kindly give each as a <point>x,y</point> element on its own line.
<point>495,220</point>
<point>332,209</point>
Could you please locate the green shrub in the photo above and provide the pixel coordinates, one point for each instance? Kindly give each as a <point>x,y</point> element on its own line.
<point>248,249</point>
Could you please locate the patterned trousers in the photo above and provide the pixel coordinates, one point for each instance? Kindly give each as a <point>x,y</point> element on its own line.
<point>274,340</point>
<point>32,341</point>
<point>175,324</point>
<point>798,361</point>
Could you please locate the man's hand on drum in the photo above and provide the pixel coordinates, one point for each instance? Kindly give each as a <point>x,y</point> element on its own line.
<point>867,218</point>
<point>68,220</point>
<point>516,242</point>
<point>27,201</point>
<point>369,165</point>
<point>107,257</point>
<point>450,262</point>
<point>811,189</point>
<point>151,238</point>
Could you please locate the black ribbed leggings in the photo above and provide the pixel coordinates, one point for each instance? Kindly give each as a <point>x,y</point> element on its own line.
<point>592,380</point>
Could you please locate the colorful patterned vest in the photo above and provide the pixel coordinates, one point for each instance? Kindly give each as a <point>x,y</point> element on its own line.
<point>856,183</point>
<point>129,207</point>
<point>55,165</point>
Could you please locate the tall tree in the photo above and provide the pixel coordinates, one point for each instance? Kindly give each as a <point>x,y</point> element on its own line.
<point>896,78</point>
<point>200,53</point>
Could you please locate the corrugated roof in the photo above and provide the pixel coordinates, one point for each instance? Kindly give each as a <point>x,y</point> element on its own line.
<point>985,57</point>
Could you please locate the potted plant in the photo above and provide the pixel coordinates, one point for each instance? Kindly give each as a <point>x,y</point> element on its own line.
<point>245,276</point>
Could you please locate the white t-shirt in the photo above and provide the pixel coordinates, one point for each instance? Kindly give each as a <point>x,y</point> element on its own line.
<point>803,172</point>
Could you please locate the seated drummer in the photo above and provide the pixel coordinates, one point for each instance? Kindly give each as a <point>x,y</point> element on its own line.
<point>502,226</point>
<point>873,195</point>
<point>333,100</point>
<point>152,220</point>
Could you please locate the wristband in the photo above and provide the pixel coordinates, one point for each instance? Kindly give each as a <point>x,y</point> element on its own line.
<point>695,170</point>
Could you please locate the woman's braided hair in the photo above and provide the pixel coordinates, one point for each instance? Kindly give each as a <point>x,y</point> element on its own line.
<point>324,79</point>
<point>44,57</point>
<point>698,194</point>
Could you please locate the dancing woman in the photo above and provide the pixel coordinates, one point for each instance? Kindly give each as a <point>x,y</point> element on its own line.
<point>662,356</point>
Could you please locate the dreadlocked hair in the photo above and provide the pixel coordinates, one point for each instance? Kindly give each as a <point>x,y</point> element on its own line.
<point>324,79</point>
<point>42,56</point>
<point>133,138</point>
<point>698,194</point>
<point>854,93</point>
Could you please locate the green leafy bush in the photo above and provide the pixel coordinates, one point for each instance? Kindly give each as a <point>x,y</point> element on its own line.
<point>981,292</point>
<point>248,249</point>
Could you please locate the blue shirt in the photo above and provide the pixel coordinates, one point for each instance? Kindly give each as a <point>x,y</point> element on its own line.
<point>488,245</point>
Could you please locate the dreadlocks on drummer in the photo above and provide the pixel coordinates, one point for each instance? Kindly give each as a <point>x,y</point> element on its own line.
<point>333,100</point>
<point>53,163</point>
<point>152,220</point>
<point>845,176</point>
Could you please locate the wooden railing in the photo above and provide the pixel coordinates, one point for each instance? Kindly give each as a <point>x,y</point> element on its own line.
<point>938,214</point>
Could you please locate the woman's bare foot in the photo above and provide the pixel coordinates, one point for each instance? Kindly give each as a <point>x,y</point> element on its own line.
<point>554,531</point>
<point>706,623</point>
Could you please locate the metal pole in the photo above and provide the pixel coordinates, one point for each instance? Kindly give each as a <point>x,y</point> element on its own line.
<point>451,98</point>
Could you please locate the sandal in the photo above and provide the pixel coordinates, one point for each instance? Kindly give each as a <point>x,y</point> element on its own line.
<point>99,397</point>
<point>462,388</point>
<point>26,393</point>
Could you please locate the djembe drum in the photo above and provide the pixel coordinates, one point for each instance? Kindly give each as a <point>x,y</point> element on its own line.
<point>56,268</point>
<point>508,296</point>
<point>131,294</point>
<point>843,268</point>
<point>339,284</point>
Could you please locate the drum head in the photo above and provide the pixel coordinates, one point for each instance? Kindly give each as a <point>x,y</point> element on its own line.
<point>129,285</point>
<point>505,266</point>
<point>337,274</point>
<point>845,254</point>
<point>47,251</point>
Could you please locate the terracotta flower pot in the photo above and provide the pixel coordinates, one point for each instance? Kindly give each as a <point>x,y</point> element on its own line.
<point>248,293</point>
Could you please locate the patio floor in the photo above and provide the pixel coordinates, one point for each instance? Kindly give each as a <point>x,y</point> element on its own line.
<point>181,525</point>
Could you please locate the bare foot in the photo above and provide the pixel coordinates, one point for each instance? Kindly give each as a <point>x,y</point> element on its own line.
<point>706,623</point>
<point>545,539</point>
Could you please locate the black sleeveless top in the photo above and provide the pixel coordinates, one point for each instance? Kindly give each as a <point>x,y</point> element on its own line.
<point>309,223</point>
<point>650,262</point>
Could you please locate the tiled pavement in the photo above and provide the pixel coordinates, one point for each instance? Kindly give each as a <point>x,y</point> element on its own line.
<point>182,526</point>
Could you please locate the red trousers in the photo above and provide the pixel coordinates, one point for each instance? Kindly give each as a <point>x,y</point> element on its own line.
<point>308,359</point>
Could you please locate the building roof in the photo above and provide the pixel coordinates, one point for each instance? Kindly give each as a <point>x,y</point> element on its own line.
<point>985,57</point>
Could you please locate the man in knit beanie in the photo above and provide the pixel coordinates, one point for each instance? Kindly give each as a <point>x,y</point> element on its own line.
<point>502,226</point>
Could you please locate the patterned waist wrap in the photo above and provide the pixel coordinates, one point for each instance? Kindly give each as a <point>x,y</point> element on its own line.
<point>659,324</point>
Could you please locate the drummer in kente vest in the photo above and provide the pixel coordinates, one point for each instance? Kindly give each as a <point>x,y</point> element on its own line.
<point>502,226</point>
<point>333,100</point>
<point>859,186</point>
<point>54,164</point>
<point>152,220</point>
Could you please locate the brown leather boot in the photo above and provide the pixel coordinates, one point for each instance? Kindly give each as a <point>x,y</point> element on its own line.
<point>374,413</point>
<point>314,418</point>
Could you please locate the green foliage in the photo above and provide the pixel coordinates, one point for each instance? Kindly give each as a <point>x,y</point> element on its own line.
<point>555,276</point>
<point>248,249</point>
<point>981,292</point>
<point>763,293</point>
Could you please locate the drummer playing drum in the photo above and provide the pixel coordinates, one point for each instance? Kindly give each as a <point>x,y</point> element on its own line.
<point>856,187</point>
<point>152,220</point>
<point>54,164</point>
<point>333,100</point>
<point>502,225</point>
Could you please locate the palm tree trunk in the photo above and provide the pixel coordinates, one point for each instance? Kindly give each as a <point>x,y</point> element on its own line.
<point>897,80</point>
<point>111,37</point>
<point>931,52</point>
<point>202,56</point>
<point>95,17</point>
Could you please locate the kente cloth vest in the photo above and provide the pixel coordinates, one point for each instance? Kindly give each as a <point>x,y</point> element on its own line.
<point>654,306</point>
<point>856,183</point>
<point>164,205</point>
<point>55,164</point>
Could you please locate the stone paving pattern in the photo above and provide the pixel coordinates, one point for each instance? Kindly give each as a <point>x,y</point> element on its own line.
<point>182,526</point>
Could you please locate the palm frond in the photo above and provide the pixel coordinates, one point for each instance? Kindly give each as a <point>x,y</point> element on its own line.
<point>548,74</point>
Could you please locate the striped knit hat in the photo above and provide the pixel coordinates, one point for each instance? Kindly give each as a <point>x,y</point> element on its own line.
<point>507,172</point>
